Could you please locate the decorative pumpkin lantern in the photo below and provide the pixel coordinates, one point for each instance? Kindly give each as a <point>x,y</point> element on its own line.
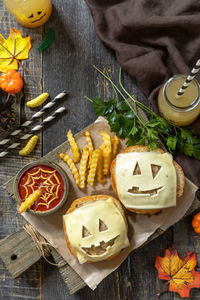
<point>30,13</point>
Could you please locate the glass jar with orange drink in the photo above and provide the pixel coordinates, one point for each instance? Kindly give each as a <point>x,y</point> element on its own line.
<point>179,110</point>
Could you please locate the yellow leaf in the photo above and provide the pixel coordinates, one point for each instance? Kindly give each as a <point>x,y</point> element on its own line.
<point>13,49</point>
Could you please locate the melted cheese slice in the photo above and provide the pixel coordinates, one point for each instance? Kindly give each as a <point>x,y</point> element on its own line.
<point>88,216</point>
<point>145,184</point>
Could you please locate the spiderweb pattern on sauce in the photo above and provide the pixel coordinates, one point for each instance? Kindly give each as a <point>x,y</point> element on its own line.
<point>45,178</point>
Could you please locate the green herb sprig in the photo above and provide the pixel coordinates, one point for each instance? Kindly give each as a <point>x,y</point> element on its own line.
<point>123,119</point>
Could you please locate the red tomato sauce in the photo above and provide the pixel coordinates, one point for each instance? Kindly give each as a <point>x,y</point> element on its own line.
<point>48,180</point>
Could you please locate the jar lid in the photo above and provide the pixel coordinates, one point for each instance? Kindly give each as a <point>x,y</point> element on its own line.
<point>190,97</point>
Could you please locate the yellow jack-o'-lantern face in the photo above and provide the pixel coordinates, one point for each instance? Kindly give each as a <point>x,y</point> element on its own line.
<point>96,230</point>
<point>146,180</point>
<point>31,13</point>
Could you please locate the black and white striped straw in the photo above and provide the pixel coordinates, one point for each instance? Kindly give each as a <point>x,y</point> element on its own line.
<point>190,77</point>
<point>33,118</point>
<point>36,128</point>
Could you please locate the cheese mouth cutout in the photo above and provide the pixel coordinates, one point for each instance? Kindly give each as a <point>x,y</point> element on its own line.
<point>136,191</point>
<point>146,180</point>
<point>96,231</point>
<point>101,248</point>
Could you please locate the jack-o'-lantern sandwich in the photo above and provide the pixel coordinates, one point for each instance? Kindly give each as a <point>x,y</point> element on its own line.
<point>145,180</point>
<point>95,228</point>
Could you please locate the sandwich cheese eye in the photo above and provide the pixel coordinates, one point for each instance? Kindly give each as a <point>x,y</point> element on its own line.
<point>102,226</point>
<point>85,232</point>
<point>155,169</point>
<point>137,170</point>
<point>39,12</point>
<point>31,16</point>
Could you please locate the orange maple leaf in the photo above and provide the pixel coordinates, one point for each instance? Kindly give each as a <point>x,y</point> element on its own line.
<point>179,272</point>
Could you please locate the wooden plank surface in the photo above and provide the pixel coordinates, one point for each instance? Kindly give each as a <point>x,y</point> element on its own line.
<point>29,285</point>
<point>18,252</point>
<point>68,65</point>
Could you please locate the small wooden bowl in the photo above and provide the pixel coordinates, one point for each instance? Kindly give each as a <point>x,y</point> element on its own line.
<point>48,164</point>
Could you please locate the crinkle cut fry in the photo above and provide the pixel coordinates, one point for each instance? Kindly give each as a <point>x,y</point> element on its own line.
<point>71,165</point>
<point>106,139</point>
<point>106,148</point>
<point>90,145</point>
<point>100,175</point>
<point>30,200</point>
<point>115,146</point>
<point>83,167</point>
<point>93,167</point>
<point>106,160</point>
<point>74,147</point>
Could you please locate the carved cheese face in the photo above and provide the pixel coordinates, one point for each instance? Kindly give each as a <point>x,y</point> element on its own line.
<point>96,230</point>
<point>146,180</point>
<point>31,13</point>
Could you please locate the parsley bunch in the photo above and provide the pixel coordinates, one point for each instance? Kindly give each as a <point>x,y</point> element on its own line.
<point>123,119</point>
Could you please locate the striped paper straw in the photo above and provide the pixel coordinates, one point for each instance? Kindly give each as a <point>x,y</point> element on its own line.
<point>36,128</point>
<point>38,114</point>
<point>190,77</point>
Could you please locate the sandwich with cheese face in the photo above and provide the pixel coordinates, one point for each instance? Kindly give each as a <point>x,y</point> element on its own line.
<point>146,181</point>
<point>95,228</point>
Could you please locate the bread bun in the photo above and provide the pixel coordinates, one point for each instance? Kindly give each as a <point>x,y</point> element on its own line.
<point>180,179</point>
<point>95,228</point>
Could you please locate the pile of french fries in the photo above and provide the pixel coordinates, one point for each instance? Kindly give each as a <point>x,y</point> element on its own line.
<point>94,163</point>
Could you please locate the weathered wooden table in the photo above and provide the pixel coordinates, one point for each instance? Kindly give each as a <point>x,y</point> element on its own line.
<point>68,65</point>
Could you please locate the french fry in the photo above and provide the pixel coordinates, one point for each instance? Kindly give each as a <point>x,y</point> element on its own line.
<point>100,175</point>
<point>102,147</point>
<point>74,147</point>
<point>90,145</point>
<point>115,145</point>
<point>106,148</point>
<point>83,167</point>
<point>106,159</point>
<point>106,139</point>
<point>71,165</point>
<point>29,201</point>
<point>93,167</point>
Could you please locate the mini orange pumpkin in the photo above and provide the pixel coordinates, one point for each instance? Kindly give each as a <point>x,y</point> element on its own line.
<point>11,82</point>
<point>196,223</point>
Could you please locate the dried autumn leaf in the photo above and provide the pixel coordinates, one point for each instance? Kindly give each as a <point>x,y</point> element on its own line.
<point>179,272</point>
<point>13,49</point>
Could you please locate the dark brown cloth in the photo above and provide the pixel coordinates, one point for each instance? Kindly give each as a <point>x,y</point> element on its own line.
<point>153,40</point>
